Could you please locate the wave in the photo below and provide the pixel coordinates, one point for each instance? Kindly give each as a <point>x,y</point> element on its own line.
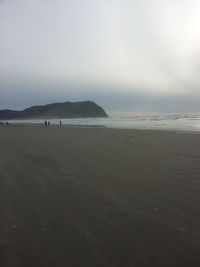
<point>160,121</point>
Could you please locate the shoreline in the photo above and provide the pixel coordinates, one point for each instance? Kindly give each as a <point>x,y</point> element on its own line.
<point>101,127</point>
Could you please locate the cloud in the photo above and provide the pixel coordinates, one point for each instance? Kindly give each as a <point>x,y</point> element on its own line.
<point>144,49</point>
<point>21,95</point>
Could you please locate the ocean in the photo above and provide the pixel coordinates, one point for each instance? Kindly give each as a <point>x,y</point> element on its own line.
<point>176,121</point>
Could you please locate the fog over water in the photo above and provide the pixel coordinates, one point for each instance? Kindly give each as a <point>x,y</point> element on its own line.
<point>125,55</point>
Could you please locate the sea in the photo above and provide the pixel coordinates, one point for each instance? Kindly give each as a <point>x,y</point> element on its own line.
<point>161,121</point>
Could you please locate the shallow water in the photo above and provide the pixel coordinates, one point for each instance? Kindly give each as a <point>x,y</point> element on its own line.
<point>189,122</point>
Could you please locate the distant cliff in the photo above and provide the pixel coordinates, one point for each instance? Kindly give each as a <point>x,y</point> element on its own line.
<point>85,109</point>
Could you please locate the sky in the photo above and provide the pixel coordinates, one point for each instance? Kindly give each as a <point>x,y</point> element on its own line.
<point>126,55</point>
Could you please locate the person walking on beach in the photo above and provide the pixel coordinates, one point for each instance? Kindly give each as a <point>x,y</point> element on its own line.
<point>45,123</point>
<point>48,123</point>
<point>60,123</point>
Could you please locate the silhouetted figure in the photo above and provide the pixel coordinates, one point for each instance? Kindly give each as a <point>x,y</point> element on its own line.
<point>48,123</point>
<point>7,123</point>
<point>60,123</point>
<point>45,123</point>
<point>1,123</point>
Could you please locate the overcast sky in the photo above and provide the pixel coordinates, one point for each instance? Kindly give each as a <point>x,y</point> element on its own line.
<point>140,55</point>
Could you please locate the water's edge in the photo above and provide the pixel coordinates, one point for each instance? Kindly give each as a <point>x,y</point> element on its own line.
<point>183,122</point>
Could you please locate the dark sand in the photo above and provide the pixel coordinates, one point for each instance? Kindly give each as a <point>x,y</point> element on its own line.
<point>98,197</point>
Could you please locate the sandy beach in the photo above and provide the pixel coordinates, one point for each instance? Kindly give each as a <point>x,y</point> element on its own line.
<point>73,197</point>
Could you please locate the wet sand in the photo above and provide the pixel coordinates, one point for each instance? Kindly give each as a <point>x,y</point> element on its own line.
<point>98,197</point>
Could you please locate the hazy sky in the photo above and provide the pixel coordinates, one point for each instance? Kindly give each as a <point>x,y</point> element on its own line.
<point>141,55</point>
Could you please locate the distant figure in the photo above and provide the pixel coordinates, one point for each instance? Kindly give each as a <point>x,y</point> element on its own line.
<point>45,123</point>
<point>7,123</point>
<point>1,123</point>
<point>48,123</point>
<point>60,123</point>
